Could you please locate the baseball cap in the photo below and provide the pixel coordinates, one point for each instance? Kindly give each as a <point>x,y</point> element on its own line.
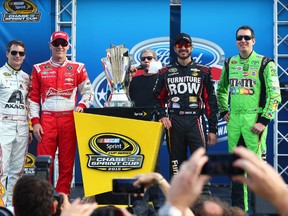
<point>59,35</point>
<point>183,36</point>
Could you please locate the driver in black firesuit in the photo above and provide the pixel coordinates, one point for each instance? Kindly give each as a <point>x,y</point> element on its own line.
<point>191,95</point>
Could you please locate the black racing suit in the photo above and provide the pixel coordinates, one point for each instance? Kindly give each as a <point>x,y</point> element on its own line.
<point>190,92</point>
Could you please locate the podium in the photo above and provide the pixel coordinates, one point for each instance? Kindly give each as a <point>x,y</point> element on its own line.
<point>115,143</point>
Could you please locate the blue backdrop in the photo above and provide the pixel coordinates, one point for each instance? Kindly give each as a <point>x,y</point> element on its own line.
<point>101,23</point>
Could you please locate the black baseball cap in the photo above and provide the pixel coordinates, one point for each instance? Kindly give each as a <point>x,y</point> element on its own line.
<point>183,36</point>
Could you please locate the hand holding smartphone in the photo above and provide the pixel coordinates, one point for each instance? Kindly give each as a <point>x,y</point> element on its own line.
<point>125,186</point>
<point>221,164</point>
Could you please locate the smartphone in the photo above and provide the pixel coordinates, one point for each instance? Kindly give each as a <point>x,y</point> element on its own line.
<point>221,164</point>
<point>125,186</point>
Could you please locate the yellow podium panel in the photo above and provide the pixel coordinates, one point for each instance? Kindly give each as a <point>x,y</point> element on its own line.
<point>113,147</point>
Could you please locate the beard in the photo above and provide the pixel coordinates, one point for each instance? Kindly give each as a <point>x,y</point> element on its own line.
<point>144,67</point>
<point>185,57</point>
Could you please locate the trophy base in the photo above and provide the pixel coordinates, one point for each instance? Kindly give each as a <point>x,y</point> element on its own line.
<point>118,104</point>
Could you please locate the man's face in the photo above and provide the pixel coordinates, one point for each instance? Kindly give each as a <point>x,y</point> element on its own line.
<point>146,58</point>
<point>16,56</point>
<point>183,49</point>
<point>59,49</point>
<point>245,41</point>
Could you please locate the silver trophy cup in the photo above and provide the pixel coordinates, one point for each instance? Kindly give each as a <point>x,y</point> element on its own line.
<point>116,66</point>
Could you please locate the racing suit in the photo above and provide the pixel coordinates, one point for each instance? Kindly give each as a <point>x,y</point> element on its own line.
<point>254,94</point>
<point>55,87</point>
<point>189,91</point>
<point>14,129</point>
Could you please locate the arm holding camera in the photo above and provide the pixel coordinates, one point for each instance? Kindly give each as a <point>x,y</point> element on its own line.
<point>262,179</point>
<point>151,179</point>
<point>187,185</point>
<point>76,208</point>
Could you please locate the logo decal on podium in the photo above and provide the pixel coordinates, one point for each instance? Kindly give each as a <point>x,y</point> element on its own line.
<point>114,152</point>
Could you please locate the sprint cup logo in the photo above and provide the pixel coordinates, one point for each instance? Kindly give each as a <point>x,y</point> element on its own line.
<point>204,52</point>
<point>20,11</point>
<point>29,167</point>
<point>114,152</point>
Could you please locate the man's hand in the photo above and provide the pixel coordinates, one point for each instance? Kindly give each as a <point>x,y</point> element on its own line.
<point>212,139</point>
<point>78,109</point>
<point>258,128</point>
<point>30,137</point>
<point>38,131</point>
<point>76,208</point>
<point>148,179</point>
<point>227,117</point>
<point>166,122</point>
<point>262,178</point>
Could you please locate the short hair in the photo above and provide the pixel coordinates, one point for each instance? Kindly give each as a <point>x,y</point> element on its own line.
<point>246,27</point>
<point>15,42</point>
<point>199,210</point>
<point>107,210</point>
<point>237,211</point>
<point>33,195</point>
<point>151,51</point>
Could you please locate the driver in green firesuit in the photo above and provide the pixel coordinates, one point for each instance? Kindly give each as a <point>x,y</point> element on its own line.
<point>248,94</point>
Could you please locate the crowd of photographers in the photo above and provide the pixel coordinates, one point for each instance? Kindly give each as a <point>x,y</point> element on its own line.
<point>34,195</point>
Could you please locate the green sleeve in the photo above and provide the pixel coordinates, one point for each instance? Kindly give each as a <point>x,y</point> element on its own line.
<point>272,91</point>
<point>222,90</point>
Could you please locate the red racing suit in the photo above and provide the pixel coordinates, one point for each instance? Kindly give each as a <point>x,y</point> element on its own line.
<point>190,92</point>
<point>55,87</point>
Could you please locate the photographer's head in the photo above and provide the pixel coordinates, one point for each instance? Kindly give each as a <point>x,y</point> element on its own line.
<point>209,205</point>
<point>111,210</point>
<point>33,195</point>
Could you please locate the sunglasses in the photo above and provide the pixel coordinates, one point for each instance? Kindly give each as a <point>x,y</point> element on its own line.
<point>246,37</point>
<point>14,53</point>
<point>57,43</point>
<point>180,45</point>
<point>149,58</point>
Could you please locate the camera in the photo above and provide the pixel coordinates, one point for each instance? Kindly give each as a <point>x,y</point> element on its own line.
<point>125,186</point>
<point>59,199</point>
<point>42,165</point>
<point>221,164</point>
<point>42,169</point>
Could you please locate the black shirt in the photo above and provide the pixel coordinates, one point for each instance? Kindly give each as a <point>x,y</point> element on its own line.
<point>141,90</point>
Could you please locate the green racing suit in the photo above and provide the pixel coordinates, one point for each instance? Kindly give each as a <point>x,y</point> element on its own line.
<point>249,90</point>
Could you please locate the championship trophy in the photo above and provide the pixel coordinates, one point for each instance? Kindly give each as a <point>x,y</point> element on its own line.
<point>116,66</point>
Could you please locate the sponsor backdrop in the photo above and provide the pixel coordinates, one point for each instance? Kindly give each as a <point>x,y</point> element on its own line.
<point>30,22</point>
<point>139,25</point>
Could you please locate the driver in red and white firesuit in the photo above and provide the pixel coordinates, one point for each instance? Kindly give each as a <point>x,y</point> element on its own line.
<point>14,130</point>
<point>191,95</point>
<point>55,85</point>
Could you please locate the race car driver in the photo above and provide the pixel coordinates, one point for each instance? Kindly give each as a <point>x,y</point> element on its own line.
<point>14,128</point>
<point>248,95</point>
<point>54,87</point>
<point>190,94</point>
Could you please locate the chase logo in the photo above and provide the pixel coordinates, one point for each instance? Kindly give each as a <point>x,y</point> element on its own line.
<point>114,152</point>
<point>204,52</point>
<point>29,164</point>
<point>30,161</point>
<point>20,11</point>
